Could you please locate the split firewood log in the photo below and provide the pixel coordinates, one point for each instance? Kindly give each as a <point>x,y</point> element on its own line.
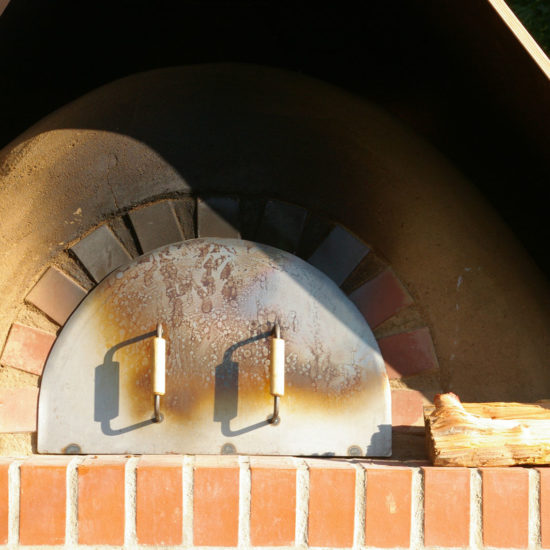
<point>487,434</point>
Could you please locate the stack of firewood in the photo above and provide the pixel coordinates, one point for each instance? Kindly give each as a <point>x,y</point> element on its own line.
<point>487,434</point>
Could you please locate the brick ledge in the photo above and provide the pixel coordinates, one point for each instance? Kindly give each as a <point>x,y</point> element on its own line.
<point>230,501</point>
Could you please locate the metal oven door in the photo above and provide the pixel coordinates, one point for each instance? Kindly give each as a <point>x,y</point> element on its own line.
<point>225,382</point>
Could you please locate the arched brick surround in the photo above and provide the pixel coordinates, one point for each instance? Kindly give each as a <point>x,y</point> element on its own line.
<point>371,284</point>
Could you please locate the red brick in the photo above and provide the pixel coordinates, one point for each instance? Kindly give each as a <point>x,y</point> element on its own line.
<point>159,500</point>
<point>505,507</point>
<point>216,506</point>
<point>446,507</point>
<point>4,499</point>
<point>43,500</point>
<point>272,506</point>
<point>388,507</point>
<point>408,353</point>
<point>545,506</point>
<point>18,409</point>
<point>101,501</point>
<point>406,407</point>
<point>381,298</point>
<point>56,295</point>
<point>331,506</point>
<point>27,348</point>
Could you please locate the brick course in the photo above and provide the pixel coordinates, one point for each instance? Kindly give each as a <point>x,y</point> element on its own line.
<point>216,506</point>
<point>407,408</point>
<point>101,501</point>
<point>272,506</point>
<point>544,506</point>
<point>408,353</point>
<point>388,507</point>
<point>381,298</point>
<point>332,507</point>
<point>159,500</point>
<point>18,409</point>
<point>505,493</point>
<point>43,500</point>
<point>27,348</point>
<point>446,507</point>
<point>4,498</point>
<point>56,294</point>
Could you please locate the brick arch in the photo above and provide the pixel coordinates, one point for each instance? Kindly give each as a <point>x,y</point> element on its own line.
<point>369,282</point>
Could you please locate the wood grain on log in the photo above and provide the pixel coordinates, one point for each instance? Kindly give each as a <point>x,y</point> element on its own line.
<point>487,434</point>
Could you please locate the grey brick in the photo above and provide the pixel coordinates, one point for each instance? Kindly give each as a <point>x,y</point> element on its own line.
<point>339,254</point>
<point>218,217</point>
<point>282,225</point>
<point>124,232</point>
<point>156,225</point>
<point>56,295</point>
<point>315,231</point>
<point>252,209</point>
<point>185,212</point>
<point>101,252</point>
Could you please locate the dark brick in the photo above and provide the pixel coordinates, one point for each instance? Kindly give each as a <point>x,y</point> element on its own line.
<point>339,254</point>
<point>156,225</point>
<point>185,212</point>
<point>282,225</point>
<point>218,217</point>
<point>101,252</point>
<point>56,295</point>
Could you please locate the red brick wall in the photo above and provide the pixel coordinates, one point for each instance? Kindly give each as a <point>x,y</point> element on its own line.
<point>266,501</point>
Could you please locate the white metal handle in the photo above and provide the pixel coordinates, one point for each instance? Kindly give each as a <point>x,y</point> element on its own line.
<point>277,372</point>
<point>159,371</point>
